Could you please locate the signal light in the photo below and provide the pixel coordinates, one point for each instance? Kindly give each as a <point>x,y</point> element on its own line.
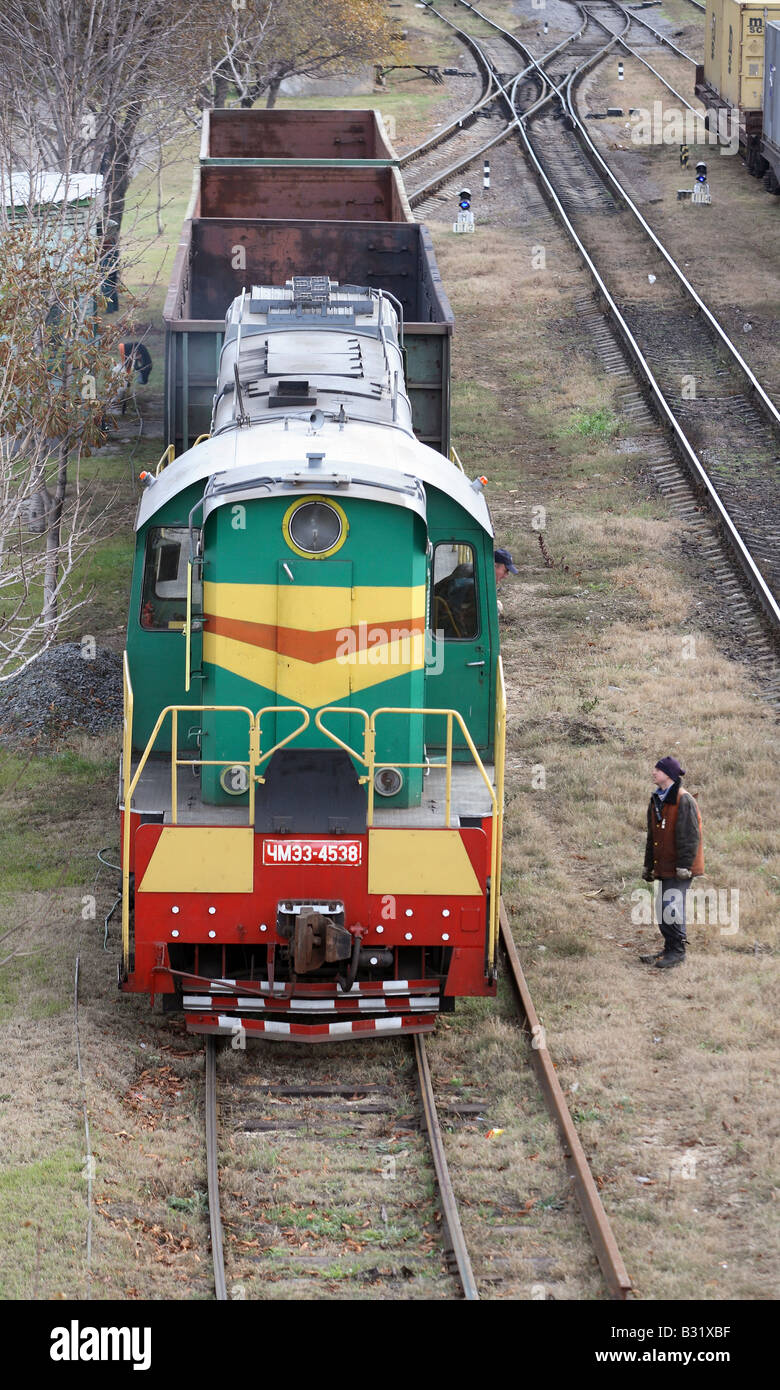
<point>701,172</point>
<point>464,200</point>
<point>146,479</point>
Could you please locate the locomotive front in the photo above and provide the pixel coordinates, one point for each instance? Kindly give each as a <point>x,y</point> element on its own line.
<point>311,784</point>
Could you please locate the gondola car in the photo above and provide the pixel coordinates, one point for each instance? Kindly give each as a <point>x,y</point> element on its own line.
<point>311,784</point>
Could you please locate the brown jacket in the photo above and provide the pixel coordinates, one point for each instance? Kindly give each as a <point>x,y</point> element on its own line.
<point>674,837</point>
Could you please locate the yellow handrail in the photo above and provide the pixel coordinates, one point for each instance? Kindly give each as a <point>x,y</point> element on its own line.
<point>188,629</point>
<point>176,761</point>
<point>127,757</point>
<point>454,458</point>
<point>167,457</point>
<point>345,709</point>
<point>367,759</point>
<point>499,744</point>
<point>494,850</point>
<point>278,709</point>
<point>200,439</point>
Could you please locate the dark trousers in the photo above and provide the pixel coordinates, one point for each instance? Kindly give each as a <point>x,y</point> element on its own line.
<point>671,914</point>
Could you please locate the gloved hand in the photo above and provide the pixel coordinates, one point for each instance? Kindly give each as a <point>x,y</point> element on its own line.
<point>647,875</point>
<point>683,873</point>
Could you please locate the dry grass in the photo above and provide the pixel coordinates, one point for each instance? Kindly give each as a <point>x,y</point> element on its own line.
<point>659,1070</point>
<point>668,1076</point>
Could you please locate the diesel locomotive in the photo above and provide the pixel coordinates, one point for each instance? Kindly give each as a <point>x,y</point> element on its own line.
<point>311,784</point>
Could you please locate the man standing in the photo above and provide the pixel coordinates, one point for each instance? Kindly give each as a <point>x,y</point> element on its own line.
<point>674,854</point>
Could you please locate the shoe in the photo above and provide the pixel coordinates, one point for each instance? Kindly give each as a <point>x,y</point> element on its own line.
<point>651,960</point>
<point>667,962</point>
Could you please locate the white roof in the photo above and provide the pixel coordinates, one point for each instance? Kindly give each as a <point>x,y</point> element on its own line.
<point>359,451</point>
<point>22,189</point>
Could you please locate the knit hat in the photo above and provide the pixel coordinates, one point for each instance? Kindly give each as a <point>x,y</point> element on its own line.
<point>671,767</point>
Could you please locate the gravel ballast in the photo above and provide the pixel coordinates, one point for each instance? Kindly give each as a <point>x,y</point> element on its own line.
<point>65,689</point>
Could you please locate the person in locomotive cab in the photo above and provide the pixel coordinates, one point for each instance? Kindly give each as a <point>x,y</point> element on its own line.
<point>674,855</point>
<point>504,565</point>
<point>456,596</point>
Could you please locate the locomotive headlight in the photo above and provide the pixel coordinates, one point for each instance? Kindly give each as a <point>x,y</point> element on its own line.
<point>388,781</point>
<point>315,527</point>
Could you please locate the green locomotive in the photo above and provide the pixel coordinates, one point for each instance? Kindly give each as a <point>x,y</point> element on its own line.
<point>313,756</point>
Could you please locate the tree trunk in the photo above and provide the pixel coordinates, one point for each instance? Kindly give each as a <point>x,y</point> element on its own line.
<point>273,92</point>
<point>221,85</point>
<point>160,157</point>
<point>116,164</point>
<point>54,539</point>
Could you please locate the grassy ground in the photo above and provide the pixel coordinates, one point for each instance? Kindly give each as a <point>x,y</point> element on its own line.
<point>669,1077</point>
<point>666,1075</point>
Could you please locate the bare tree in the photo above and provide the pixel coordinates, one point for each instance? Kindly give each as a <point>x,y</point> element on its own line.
<point>59,381</point>
<point>256,44</point>
<point>79,74</point>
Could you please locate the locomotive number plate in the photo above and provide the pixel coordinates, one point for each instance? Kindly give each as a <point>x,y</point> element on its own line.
<point>347,852</point>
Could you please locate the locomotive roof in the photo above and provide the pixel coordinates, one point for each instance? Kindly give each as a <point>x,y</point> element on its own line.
<point>312,343</point>
<point>261,460</point>
<point>311,397</point>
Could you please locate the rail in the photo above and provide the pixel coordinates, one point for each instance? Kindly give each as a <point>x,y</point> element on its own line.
<point>596,1219</point>
<point>212,1173</point>
<point>448,1202</point>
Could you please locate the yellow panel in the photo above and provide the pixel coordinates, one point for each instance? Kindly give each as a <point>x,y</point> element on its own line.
<point>383,605</point>
<point>313,609</point>
<point>419,861</point>
<point>201,859</point>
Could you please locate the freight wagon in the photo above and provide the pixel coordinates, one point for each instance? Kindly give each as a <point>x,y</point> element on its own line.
<point>246,137</point>
<point>256,222</point>
<point>770,140</point>
<point>731,78</point>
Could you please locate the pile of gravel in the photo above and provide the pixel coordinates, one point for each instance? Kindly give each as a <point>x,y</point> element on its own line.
<point>64,689</point>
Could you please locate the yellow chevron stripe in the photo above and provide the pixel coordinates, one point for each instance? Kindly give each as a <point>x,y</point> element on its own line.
<point>309,685</point>
<point>313,609</point>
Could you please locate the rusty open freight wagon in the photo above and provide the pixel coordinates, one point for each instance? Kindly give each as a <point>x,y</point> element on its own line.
<point>340,192</point>
<point>217,257</point>
<point>259,220</point>
<point>253,137</point>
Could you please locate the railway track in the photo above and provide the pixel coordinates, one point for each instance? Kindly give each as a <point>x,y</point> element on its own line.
<point>377,1124</point>
<point>690,371</point>
<point>381,1127</point>
<point>473,134</point>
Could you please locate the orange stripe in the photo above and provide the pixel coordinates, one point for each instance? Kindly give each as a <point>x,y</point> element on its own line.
<point>310,646</point>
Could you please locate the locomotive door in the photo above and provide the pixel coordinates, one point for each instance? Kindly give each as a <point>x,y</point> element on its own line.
<point>313,642</point>
<point>458,675</point>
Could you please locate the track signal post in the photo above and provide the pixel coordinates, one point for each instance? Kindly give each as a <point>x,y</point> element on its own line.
<point>701,188</point>
<point>465,221</point>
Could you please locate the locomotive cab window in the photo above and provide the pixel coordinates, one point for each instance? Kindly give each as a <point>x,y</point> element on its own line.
<point>164,594</point>
<point>454,609</point>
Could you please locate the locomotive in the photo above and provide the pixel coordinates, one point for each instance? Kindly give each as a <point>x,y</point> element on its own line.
<point>311,787</point>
